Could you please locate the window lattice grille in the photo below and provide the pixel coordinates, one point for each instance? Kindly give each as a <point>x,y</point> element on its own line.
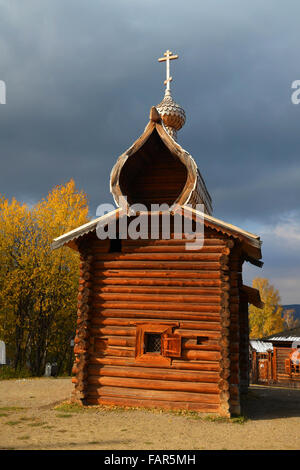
<point>295,368</point>
<point>152,343</point>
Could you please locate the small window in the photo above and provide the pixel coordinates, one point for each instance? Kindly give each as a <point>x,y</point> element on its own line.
<point>201,339</point>
<point>156,343</point>
<point>115,245</point>
<point>152,343</point>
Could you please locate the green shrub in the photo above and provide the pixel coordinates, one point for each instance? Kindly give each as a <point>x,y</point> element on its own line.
<point>8,372</point>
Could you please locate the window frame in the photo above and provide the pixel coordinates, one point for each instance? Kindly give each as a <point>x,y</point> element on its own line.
<point>152,357</point>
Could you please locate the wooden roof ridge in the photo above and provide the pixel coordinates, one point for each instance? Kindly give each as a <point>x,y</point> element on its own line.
<point>227,228</point>
<point>84,229</point>
<point>194,191</point>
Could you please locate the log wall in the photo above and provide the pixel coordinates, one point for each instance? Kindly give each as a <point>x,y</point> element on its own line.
<point>236,282</point>
<point>282,377</point>
<point>244,344</point>
<point>159,281</point>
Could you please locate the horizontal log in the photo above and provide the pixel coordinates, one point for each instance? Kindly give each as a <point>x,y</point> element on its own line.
<point>112,282</point>
<point>212,323</point>
<point>113,330</point>
<point>201,355</point>
<point>130,341</point>
<point>155,265</point>
<point>150,297</point>
<point>122,361</point>
<point>132,402</point>
<point>147,384</point>
<point>190,346</point>
<point>153,290</point>
<point>152,273</point>
<point>186,256</point>
<point>154,374</point>
<point>123,392</point>
<point>159,306</point>
<point>176,364</point>
<point>121,341</point>
<point>172,241</point>
<point>111,351</point>
<point>213,333</point>
<point>201,324</point>
<point>132,323</point>
<point>179,248</point>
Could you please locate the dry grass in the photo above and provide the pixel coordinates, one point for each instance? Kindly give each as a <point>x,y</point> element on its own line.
<point>37,414</point>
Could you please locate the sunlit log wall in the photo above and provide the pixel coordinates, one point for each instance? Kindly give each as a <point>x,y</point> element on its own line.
<point>155,282</point>
<point>244,363</point>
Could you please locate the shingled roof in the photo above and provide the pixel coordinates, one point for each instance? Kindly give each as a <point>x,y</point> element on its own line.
<point>250,241</point>
<point>293,334</point>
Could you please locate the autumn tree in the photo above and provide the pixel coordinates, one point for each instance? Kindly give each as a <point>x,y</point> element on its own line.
<point>38,286</point>
<point>266,321</point>
<point>289,319</point>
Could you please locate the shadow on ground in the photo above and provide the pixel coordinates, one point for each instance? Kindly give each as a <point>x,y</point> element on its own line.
<point>263,402</point>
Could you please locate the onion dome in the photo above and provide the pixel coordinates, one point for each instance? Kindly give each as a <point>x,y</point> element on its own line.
<point>172,114</point>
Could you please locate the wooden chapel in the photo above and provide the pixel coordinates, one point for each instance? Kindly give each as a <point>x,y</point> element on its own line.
<point>160,325</point>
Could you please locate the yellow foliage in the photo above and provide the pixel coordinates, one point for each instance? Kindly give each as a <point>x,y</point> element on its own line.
<point>38,286</point>
<point>266,321</point>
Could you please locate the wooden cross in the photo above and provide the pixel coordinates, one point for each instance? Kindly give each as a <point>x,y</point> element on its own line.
<point>168,56</point>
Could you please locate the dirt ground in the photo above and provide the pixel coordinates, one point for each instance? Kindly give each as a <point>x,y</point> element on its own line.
<point>29,420</point>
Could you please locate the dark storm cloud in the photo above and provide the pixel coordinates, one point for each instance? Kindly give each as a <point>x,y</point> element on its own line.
<point>82,76</point>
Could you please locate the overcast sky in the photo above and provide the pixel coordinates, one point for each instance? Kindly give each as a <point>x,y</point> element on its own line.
<point>81,77</point>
